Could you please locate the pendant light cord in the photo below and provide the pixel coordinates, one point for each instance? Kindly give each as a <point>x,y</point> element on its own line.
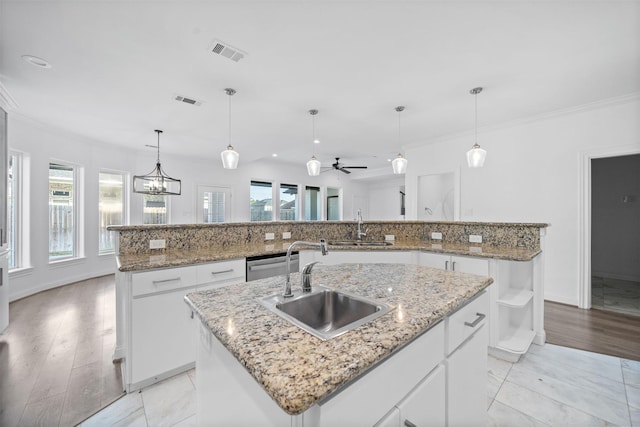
<point>229,140</point>
<point>476,99</point>
<point>399,109</point>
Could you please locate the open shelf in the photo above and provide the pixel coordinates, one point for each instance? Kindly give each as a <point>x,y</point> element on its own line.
<point>515,298</point>
<point>517,341</point>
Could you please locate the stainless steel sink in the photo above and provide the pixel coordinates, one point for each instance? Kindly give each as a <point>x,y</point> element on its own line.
<point>326,313</point>
<point>360,243</point>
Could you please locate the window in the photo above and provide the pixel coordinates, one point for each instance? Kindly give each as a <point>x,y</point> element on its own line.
<point>155,209</point>
<point>261,201</point>
<point>110,208</point>
<point>214,204</point>
<point>288,202</point>
<point>312,203</point>
<point>62,218</point>
<point>13,210</point>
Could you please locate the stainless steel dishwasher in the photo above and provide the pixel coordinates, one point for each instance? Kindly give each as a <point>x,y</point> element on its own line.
<point>260,267</point>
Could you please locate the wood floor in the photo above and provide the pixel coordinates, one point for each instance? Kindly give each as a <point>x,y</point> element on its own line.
<point>598,331</point>
<point>55,356</point>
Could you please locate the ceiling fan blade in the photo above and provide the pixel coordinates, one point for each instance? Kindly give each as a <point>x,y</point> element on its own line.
<point>355,167</point>
<point>344,170</point>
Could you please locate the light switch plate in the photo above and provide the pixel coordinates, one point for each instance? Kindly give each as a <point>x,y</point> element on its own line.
<point>436,236</point>
<point>157,244</point>
<point>474,238</point>
<point>286,235</point>
<point>269,236</point>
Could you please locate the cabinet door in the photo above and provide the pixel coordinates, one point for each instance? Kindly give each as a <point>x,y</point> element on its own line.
<point>467,378</point>
<point>470,265</point>
<point>392,419</point>
<point>435,260</point>
<point>162,336</point>
<point>425,405</point>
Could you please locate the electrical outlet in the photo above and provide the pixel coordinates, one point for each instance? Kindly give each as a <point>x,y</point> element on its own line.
<point>157,244</point>
<point>474,238</point>
<point>389,237</point>
<point>269,236</point>
<point>286,235</point>
<point>436,236</point>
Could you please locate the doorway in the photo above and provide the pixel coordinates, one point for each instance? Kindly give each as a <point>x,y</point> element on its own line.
<point>438,197</point>
<point>615,227</point>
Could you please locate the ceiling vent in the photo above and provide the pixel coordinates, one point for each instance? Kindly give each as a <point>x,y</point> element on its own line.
<point>220,48</point>
<point>186,100</point>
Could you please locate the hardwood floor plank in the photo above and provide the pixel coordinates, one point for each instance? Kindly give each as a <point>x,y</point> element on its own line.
<point>599,331</point>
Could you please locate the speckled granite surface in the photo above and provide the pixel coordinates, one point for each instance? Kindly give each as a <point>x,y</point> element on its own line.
<point>135,239</point>
<point>295,368</point>
<point>183,257</point>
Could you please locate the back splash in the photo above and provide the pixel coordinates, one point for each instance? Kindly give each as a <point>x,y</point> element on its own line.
<point>135,239</point>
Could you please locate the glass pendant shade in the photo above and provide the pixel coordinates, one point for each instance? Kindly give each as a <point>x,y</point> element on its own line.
<point>399,165</point>
<point>230,158</point>
<point>157,182</point>
<point>313,166</point>
<point>476,156</point>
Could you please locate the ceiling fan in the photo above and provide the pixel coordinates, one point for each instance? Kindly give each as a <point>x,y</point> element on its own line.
<point>342,168</point>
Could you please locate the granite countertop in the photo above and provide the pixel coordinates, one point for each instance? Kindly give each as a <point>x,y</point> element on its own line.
<point>184,257</point>
<point>297,369</point>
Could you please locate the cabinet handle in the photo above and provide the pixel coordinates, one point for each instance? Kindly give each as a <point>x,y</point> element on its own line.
<point>408,423</point>
<point>446,265</point>
<point>213,273</point>
<point>1,276</point>
<point>160,282</point>
<point>475,322</point>
<point>453,266</point>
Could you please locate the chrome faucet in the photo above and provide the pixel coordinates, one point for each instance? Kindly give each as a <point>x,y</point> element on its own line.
<point>307,268</point>
<point>359,232</point>
<point>306,277</point>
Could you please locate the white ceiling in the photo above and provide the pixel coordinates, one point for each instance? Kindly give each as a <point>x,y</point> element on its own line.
<point>118,64</point>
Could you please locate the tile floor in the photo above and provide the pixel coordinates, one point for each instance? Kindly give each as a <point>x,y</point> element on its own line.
<point>621,296</point>
<point>550,386</point>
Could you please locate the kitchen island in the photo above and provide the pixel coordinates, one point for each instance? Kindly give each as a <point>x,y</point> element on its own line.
<point>255,368</point>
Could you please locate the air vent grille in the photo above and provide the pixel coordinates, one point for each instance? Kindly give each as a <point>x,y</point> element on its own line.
<point>220,48</point>
<point>187,100</point>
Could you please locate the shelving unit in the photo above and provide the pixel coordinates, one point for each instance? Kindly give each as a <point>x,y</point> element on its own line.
<point>516,307</point>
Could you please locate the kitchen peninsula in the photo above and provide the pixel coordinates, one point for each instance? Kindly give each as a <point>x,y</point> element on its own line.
<point>151,284</point>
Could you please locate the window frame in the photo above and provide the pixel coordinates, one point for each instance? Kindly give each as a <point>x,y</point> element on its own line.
<point>125,205</point>
<point>77,210</point>
<point>273,199</point>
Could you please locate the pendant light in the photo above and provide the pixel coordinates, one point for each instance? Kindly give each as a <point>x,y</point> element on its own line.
<point>230,156</point>
<point>157,182</point>
<point>313,165</point>
<point>399,164</point>
<point>476,156</point>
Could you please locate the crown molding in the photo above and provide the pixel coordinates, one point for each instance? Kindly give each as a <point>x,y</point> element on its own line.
<point>6,100</point>
<point>595,105</point>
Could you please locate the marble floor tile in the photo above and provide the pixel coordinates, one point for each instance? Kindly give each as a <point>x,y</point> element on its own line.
<point>631,377</point>
<point>170,401</point>
<point>633,396</point>
<point>570,393</point>
<point>498,367</point>
<point>493,385</point>
<point>192,421</point>
<point>501,415</point>
<point>542,408</point>
<point>633,365</point>
<point>126,411</point>
<point>635,417</point>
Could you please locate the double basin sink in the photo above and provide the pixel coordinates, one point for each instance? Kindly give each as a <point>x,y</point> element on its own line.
<point>325,312</point>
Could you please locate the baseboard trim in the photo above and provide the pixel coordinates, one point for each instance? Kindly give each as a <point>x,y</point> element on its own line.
<point>23,293</point>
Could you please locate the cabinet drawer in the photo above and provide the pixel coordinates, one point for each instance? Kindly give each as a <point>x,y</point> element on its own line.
<point>150,282</point>
<point>221,271</point>
<point>464,322</point>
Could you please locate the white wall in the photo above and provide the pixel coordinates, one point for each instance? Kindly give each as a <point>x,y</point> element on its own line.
<point>43,144</point>
<point>384,199</point>
<point>532,175</point>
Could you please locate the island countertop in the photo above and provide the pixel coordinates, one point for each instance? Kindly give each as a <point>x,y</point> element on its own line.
<point>297,369</point>
<point>183,257</point>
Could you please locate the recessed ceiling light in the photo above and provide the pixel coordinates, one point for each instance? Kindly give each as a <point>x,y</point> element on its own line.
<point>37,62</point>
<point>274,155</point>
<point>316,141</point>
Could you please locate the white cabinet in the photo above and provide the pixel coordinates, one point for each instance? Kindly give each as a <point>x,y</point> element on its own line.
<point>466,364</point>
<point>516,308</point>
<point>463,264</point>
<point>161,340</point>
<point>425,405</point>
